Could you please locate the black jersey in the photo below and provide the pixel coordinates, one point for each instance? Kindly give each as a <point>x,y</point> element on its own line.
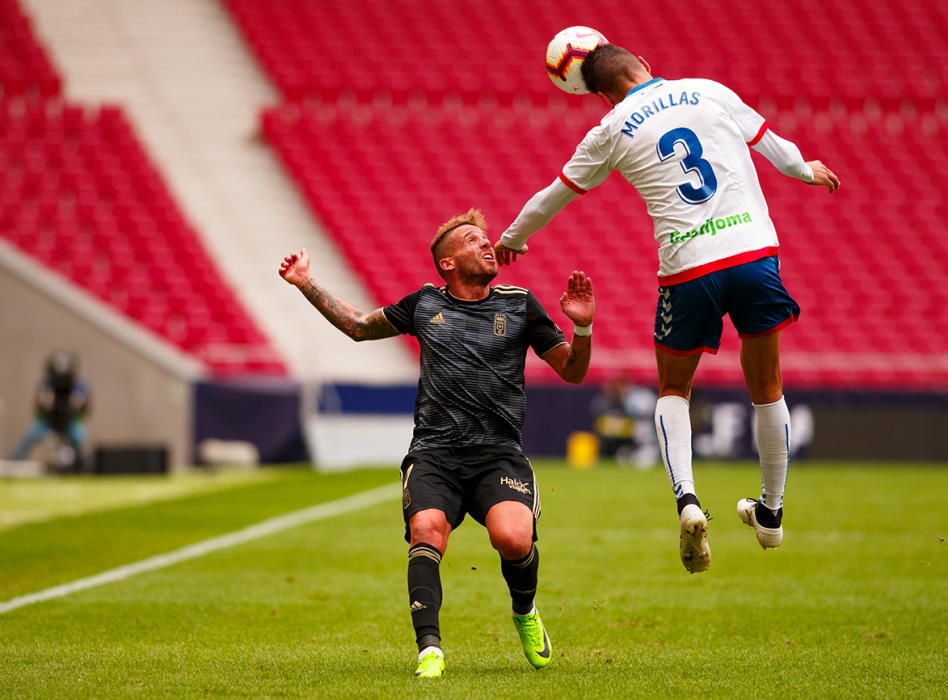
<point>470,391</point>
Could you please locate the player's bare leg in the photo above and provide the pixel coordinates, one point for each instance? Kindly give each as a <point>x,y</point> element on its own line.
<point>673,424</point>
<point>760,360</point>
<point>510,528</point>
<point>429,531</point>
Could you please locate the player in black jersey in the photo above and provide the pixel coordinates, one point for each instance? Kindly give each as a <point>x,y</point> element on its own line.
<point>465,456</point>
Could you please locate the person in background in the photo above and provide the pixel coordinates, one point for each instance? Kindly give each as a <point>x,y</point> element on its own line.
<point>622,415</point>
<point>62,405</point>
<point>614,427</point>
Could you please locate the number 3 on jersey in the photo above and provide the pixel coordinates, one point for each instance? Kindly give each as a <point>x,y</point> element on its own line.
<point>691,163</point>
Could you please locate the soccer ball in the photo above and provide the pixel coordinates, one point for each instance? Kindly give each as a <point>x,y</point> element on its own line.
<point>565,56</point>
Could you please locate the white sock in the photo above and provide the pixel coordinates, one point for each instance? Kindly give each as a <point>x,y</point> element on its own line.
<point>673,425</point>
<point>773,446</point>
<point>426,650</point>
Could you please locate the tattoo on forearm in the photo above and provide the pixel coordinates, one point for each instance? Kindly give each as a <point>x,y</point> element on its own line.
<point>337,312</point>
<point>346,317</point>
<point>374,326</point>
<point>312,293</point>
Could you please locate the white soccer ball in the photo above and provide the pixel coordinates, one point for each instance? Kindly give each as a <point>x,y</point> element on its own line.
<point>565,55</point>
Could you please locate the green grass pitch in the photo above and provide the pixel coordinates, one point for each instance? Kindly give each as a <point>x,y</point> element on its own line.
<point>855,604</point>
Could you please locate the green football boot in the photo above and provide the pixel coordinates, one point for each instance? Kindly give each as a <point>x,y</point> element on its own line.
<point>431,665</point>
<point>533,636</point>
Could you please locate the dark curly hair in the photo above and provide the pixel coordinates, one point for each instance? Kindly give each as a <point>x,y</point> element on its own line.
<point>606,65</point>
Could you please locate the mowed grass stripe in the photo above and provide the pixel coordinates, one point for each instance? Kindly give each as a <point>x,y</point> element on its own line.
<point>200,549</point>
<point>38,500</point>
<point>41,555</point>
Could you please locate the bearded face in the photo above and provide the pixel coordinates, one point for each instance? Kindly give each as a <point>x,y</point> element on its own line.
<point>472,256</point>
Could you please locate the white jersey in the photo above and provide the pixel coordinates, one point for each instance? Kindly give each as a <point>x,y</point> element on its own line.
<point>683,144</point>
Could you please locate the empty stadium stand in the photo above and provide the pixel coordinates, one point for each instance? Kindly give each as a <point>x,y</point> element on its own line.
<point>398,114</point>
<point>79,193</point>
<point>854,260</point>
<point>844,51</point>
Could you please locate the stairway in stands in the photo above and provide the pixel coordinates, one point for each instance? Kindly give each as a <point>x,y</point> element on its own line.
<point>80,193</point>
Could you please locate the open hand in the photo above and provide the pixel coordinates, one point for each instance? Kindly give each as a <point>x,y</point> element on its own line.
<point>823,176</point>
<point>578,302</point>
<point>505,255</point>
<point>295,267</point>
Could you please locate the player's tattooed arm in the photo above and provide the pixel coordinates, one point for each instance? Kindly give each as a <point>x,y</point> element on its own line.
<point>340,313</point>
<point>571,360</point>
<point>344,316</point>
<point>572,357</point>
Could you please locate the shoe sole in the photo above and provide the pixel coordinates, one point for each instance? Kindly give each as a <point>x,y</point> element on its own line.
<point>767,537</point>
<point>429,675</point>
<point>695,551</point>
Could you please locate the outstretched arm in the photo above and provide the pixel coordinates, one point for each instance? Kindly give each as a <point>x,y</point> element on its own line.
<point>786,157</point>
<point>578,303</point>
<point>340,313</point>
<point>536,214</point>
<point>589,167</point>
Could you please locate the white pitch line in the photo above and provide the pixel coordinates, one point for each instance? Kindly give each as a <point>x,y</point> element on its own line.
<point>199,549</point>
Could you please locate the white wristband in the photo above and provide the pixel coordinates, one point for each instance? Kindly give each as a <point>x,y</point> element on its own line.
<point>583,330</point>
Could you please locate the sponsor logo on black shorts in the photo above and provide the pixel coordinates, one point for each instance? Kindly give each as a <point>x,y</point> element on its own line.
<point>517,485</point>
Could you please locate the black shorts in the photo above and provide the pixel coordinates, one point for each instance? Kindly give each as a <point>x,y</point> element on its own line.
<point>458,481</point>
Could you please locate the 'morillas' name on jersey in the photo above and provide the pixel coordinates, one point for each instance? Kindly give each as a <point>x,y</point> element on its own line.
<point>658,104</point>
<point>683,145</point>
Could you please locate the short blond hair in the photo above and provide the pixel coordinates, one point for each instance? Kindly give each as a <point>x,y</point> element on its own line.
<point>472,217</point>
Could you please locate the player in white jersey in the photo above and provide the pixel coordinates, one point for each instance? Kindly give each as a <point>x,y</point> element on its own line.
<point>683,144</point>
